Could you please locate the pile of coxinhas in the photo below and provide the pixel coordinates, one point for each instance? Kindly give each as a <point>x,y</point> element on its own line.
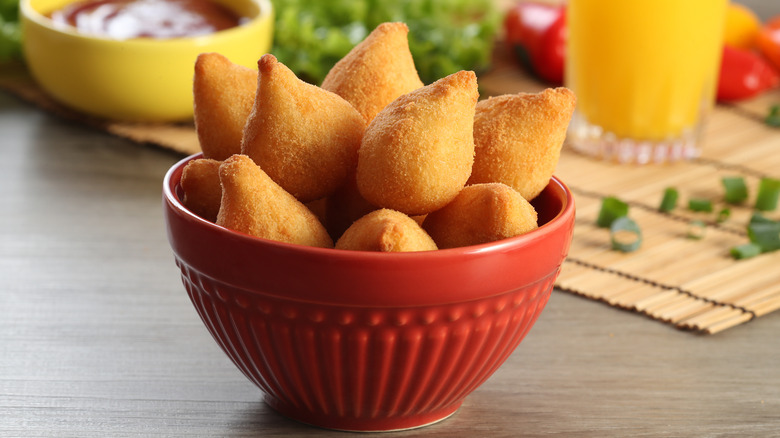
<point>372,159</point>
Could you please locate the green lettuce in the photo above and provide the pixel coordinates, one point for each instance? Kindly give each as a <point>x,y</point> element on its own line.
<point>10,34</point>
<point>445,36</point>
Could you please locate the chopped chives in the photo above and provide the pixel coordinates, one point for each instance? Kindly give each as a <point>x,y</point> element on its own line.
<point>625,234</point>
<point>736,190</point>
<point>669,201</point>
<point>765,234</point>
<point>745,251</point>
<point>759,218</point>
<point>768,194</point>
<point>723,215</point>
<point>700,205</point>
<point>773,118</point>
<point>611,208</point>
<point>696,229</point>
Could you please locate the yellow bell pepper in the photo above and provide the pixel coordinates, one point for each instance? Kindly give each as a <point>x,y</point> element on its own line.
<point>742,26</point>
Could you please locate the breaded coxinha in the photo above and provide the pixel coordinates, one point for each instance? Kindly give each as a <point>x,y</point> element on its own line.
<point>202,191</point>
<point>253,204</point>
<point>223,95</point>
<point>481,213</point>
<point>376,71</point>
<point>418,151</point>
<point>304,137</point>
<point>519,137</point>
<point>386,231</point>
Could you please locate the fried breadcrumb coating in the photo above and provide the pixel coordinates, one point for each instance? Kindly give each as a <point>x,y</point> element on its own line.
<point>253,204</point>
<point>202,191</point>
<point>386,231</point>
<point>305,138</point>
<point>223,95</point>
<point>418,151</point>
<point>519,137</point>
<point>481,213</point>
<point>376,71</point>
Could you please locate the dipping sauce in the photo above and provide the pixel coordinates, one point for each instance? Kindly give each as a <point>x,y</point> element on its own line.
<point>126,19</point>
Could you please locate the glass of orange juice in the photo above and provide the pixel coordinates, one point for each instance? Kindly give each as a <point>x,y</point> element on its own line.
<point>645,74</point>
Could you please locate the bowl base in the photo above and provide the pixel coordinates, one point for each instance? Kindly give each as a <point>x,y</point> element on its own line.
<point>362,424</point>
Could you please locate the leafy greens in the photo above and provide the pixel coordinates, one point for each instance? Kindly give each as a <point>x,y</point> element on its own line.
<point>10,33</point>
<point>445,36</point>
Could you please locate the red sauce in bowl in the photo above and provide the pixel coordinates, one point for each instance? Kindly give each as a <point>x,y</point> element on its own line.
<point>126,19</point>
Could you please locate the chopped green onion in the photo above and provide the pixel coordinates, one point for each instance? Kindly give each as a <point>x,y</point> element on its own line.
<point>745,251</point>
<point>612,208</point>
<point>768,194</point>
<point>773,118</point>
<point>696,229</point>
<point>669,202</point>
<point>736,190</point>
<point>625,234</point>
<point>723,215</point>
<point>700,205</point>
<point>765,234</point>
<point>758,218</point>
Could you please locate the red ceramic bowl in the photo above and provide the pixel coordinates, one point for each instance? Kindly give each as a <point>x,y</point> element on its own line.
<point>367,341</point>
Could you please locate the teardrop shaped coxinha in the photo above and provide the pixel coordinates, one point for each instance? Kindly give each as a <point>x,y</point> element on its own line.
<point>417,153</point>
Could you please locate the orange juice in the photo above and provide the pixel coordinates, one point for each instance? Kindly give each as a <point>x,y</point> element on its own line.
<point>643,70</point>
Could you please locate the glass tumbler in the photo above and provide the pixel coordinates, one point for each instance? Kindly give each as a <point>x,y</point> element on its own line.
<point>645,74</point>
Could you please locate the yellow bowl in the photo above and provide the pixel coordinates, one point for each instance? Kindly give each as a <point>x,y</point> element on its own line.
<point>147,80</point>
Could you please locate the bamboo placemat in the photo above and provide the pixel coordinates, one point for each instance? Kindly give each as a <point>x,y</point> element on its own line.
<point>690,284</point>
<point>693,284</point>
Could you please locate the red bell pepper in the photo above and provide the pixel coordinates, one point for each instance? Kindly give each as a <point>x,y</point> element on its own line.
<point>744,74</point>
<point>537,34</point>
<point>768,40</point>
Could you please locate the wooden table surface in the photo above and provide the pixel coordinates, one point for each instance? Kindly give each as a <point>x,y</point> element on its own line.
<point>99,339</point>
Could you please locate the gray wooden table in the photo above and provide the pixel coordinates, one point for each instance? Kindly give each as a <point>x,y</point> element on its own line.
<point>98,338</point>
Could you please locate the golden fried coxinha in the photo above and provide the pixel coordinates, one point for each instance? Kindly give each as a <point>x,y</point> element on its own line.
<point>253,204</point>
<point>202,191</point>
<point>223,95</point>
<point>519,137</point>
<point>386,230</point>
<point>304,137</point>
<point>481,213</point>
<point>418,151</point>
<point>376,71</point>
